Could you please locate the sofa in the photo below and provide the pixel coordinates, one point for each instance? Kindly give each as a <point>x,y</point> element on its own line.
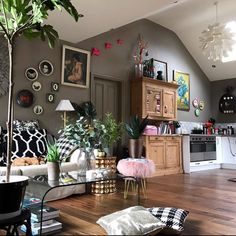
<point>29,140</point>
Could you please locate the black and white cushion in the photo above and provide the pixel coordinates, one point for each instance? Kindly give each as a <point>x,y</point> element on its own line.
<point>65,147</point>
<point>25,124</point>
<point>28,143</point>
<point>174,218</point>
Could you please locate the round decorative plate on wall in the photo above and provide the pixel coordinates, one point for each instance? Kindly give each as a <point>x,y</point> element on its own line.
<point>45,67</point>
<point>36,86</point>
<point>38,110</point>
<point>31,74</point>
<point>24,98</point>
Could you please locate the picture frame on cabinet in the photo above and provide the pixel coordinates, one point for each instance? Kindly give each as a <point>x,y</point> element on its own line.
<point>160,70</point>
<point>183,92</point>
<point>75,67</point>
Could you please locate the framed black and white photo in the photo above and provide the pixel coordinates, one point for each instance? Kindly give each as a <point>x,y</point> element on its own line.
<point>50,97</point>
<point>75,67</point>
<point>36,86</point>
<point>31,74</point>
<point>46,67</point>
<point>54,87</point>
<point>160,70</point>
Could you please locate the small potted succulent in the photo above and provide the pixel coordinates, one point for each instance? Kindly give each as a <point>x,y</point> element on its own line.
<point>53,162</point>
<point>135,129</point>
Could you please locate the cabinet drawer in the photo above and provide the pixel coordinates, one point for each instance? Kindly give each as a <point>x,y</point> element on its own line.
<point>156,138</point>
<point>176,139</point>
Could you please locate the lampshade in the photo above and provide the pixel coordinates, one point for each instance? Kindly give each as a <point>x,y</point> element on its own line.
<point>65,105</point>
<point>217,40</point>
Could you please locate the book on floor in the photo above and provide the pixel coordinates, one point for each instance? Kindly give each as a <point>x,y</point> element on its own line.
<point>44,223</point>
<point>54,226</point>
<point>48,213</point>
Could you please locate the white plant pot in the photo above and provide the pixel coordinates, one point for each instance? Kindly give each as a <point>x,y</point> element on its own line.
<point>53,171</point>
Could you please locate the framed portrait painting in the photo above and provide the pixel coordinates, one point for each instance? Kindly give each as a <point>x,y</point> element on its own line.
<point>75,67</point>
<point>183,92</point>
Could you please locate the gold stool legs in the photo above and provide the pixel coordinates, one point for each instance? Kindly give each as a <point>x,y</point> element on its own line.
<point>134,186</point>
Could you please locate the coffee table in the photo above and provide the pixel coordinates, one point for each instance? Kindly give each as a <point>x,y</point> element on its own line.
<point>39,186</point>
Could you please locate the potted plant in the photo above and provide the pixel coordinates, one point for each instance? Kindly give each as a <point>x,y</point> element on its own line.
<point>177,127</point>
<point>53,162</point>
<point>86,136</point>
<point>113,132</point>
<point>23,18</point>
<point>135,129</point>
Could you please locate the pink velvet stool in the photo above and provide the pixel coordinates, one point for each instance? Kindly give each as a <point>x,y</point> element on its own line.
<point>140,168</point>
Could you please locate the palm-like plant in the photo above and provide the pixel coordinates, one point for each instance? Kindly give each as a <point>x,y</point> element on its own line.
<point>25,17</point>
<point>136,126</point>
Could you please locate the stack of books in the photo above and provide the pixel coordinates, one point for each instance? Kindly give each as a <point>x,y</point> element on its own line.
<point>49,224</point>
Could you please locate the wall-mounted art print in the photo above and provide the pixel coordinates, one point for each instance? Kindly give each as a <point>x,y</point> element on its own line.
<point>183,93</point>
<point>31,73</point>
<point>160,70</point>
<point>36,86</point>
<point>54,87</point>
<point>50,97</point>
<point>24,98</point>
<point>46,67</point>
<point>75,67</point>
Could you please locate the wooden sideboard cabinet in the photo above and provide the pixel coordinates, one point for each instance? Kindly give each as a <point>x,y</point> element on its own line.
<point>166,153</point>
<point>154,98</point>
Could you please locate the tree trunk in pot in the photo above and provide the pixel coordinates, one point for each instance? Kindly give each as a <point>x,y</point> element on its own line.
<point>53,171</point>
<point>135,148</point>
<point>12,195</point>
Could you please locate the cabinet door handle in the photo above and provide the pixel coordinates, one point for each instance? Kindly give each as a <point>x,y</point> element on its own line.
<point>165,108</point>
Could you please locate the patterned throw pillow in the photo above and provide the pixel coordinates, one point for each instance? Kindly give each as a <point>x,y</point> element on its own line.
<point>27,143</point>
<point>65,147</point>
<point>173,218</point>
<point>25,124</point>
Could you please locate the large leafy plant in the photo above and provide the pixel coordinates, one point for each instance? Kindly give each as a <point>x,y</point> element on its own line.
<point>136,126</point>
<point>113,130</point>
<point>26,17</point>
<point>84,135</point>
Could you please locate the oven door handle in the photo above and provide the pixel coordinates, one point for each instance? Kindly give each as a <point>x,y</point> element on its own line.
<point>197,143</point>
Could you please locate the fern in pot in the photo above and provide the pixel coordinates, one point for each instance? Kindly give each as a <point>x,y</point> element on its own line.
<point>135,129</point>
<point>22,18</point>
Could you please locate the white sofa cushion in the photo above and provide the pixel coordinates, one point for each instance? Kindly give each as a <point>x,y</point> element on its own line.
<point>15,170</point>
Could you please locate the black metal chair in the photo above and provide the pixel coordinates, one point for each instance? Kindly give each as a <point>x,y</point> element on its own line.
<point>11,225</point>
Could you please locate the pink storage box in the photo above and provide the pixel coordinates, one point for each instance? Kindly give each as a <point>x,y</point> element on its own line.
<point>150,130</point>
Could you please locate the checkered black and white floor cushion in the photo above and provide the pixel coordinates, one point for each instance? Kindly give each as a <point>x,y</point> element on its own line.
<point>174,218</point>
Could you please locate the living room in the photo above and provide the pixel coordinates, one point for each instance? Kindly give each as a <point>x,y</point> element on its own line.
<point>112,66</point>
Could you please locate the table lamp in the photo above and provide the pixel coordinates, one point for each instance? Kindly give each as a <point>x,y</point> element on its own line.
<point>64,105</point>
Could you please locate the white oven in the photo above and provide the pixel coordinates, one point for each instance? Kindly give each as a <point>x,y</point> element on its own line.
<point>200,153</point>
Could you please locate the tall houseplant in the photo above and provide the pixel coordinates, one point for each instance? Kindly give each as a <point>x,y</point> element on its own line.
<point>113,133</point>
<point>25,17</point>
<point>17,18</point>
<point>135,129</point>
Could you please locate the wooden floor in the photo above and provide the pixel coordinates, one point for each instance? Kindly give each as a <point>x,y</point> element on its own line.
<point>207,195</point>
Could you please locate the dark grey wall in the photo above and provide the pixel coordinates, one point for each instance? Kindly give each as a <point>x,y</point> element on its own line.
<point>163,45</point>
<point>218,88</point>
<point>116,62</point>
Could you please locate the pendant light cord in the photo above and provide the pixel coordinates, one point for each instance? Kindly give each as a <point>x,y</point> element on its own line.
<point>216,4</point>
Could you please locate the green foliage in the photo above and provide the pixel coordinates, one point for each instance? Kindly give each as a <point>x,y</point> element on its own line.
<point>176,124</point>
<point>53,154</point>
<point>136,126</point>
<point>85,135</point>
<point>26,17</point>
<point>113,130</point>
<point>86,110</point>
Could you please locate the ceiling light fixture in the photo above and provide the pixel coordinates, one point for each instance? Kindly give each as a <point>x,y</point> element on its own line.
<point>217,40</point>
